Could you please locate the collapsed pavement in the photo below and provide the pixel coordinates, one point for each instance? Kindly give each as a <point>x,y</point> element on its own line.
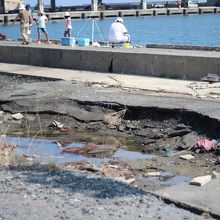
<point>156,124</point>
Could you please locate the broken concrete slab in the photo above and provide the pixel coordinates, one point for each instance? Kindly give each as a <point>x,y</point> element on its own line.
<point>203,199</point>
<point>189,140</point>
<point>201,180</point>
<point>17,116</point>
<point>122,179</point>
<point>187,157</point>
<point>57,124</point>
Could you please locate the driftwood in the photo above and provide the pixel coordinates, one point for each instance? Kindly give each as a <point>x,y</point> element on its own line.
<point>94,149</point>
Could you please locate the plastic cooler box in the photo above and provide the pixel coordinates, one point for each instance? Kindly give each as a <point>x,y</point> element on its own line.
<point>68,41</point>
<point>83,42</point>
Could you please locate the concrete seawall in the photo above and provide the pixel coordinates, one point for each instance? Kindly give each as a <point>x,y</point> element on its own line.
<point>114,13</point>
<point>142,61</point>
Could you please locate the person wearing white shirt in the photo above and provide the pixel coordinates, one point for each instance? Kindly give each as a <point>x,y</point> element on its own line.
<point>41,26</point>
<point>118,32</point>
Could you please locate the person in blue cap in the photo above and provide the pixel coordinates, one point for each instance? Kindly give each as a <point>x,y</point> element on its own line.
<point>25,22</point>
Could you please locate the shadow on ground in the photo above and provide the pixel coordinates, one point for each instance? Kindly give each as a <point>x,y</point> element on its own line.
<point>76,182</point>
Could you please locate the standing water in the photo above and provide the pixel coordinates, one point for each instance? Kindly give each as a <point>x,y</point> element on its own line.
<point>180,29</point>
<point>49,151</point>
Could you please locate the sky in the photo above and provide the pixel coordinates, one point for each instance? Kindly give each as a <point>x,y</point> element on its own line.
<point>79,2</point>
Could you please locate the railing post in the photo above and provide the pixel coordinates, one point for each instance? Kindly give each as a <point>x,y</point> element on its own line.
<point>102,15</point>
<point>41,5</point>
<point>94,5</point>
<point>5,19</point>
<point>144,4</point>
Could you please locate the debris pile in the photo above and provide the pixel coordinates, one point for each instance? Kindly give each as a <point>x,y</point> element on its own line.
<point>114,169</point>
<point>118,170</point>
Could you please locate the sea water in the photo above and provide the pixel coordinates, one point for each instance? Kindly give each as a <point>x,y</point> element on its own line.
<point>176,29</point>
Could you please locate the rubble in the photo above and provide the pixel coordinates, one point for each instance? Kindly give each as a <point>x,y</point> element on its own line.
<point>118,170</point>
<point>17,116</point>
<point>128,181</point>
<point>152,174</point>
<point>211,78</point>
<point>201,180</point>
<point>178,132</point>
<point>82,165</point>
<point>187,157</point>
<point>57,124</point>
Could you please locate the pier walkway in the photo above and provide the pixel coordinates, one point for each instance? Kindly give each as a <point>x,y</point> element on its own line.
<point>121,13</point>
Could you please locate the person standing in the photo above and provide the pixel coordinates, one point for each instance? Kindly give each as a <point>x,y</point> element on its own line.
<point>68,25</point>
<point>118,32</point>
<point>41,26</point>
<point>25,21</point>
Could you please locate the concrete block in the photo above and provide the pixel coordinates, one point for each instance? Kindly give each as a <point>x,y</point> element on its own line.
<point>17,116</point>
<point>57,124</point>
<point>187,157</point>
<point>153,174</point>
<point>122,179</point>
<point>201,180</point>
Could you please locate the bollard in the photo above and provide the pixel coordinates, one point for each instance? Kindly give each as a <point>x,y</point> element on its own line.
<point>137,14</point>
<point>154,13</point>
<point>168,12</point>
<point>5,19</point>
<point>215,10</point>
<point>102,15</point>
<point>83,15</point>
<point>200,11</point>
<point>184,11</point>
<point>119,14</point>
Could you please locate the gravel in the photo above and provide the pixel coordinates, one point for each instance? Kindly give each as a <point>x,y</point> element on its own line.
<point>36,192</point>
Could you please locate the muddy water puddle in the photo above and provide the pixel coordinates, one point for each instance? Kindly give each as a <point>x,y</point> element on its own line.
<point>49,151</point>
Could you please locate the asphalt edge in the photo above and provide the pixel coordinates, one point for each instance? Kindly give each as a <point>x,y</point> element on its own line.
<point>194,209</point>
<point>31,76</point>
